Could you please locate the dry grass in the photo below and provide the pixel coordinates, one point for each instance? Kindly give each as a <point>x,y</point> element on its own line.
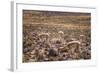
<point>56,36</point>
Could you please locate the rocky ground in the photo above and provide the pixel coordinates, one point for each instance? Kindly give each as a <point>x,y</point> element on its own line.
<point>43,46</point>
<point>52,36</point>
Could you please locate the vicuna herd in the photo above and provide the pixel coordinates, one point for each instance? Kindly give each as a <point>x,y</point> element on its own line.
<point>41,46</point>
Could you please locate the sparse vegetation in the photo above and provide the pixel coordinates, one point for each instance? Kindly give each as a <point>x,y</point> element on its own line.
<point>56,36</point>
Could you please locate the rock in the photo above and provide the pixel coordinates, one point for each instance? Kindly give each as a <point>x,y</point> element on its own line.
<point>52,53</point>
